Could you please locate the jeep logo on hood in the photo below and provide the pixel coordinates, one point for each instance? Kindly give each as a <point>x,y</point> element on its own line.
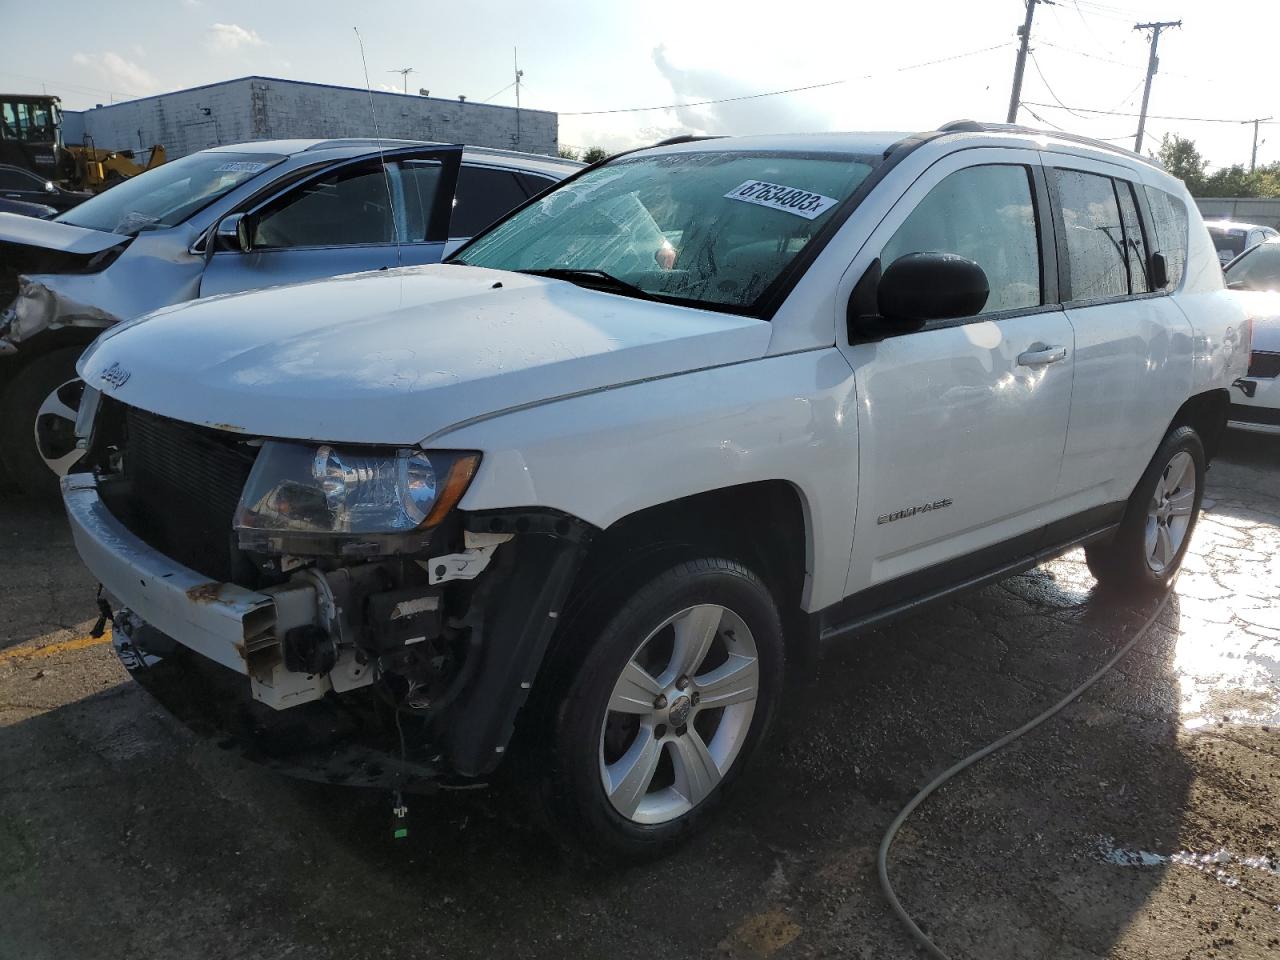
<point>115,376</point>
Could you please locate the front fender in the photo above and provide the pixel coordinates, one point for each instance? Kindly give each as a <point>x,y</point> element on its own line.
<point>606,455</point>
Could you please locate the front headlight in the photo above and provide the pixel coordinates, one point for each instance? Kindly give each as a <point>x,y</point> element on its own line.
<point>355,491</point>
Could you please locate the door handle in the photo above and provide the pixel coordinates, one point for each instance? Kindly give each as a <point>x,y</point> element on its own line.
<point>1041,356</point>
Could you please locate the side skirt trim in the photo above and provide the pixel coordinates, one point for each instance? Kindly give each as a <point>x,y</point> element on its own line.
<point>834,622</point>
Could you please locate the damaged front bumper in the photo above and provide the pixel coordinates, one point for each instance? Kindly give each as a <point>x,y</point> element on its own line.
<point>194,643</point>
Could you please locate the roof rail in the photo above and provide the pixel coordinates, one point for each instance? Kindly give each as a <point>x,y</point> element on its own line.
<point>684,138</point>
<point>977,126</point>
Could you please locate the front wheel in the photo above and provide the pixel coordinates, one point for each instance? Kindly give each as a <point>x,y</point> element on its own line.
<point>1157,526</point>
<point>672,694</point>
<point>37,422</point>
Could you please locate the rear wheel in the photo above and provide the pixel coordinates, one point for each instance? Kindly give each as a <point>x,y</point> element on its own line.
<point>672,693</point>
<point>1156,530</point>
<point>37,422</point>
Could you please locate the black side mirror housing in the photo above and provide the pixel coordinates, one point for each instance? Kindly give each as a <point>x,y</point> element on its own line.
<point>1159,271</point>
<point>921,287</point>
<point>913,290</point>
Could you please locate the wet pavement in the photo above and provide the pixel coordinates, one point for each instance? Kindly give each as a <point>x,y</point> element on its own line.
<point>1144,821</point>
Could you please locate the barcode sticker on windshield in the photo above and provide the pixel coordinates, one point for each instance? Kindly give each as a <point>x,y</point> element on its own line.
<point>787,199</point>
<point>240,166</point>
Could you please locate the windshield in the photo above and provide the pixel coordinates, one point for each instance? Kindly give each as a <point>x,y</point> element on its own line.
<point>1259,269</point>
<point>711,228</point>
<point>168,194</point>
<point>1229,243</point>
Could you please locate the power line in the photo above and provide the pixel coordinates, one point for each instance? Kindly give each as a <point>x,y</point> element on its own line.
<point>775,93</point>
<point>1152,116</point>
<point>1036,63</point>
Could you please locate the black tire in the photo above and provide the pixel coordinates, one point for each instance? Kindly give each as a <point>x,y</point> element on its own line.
<point>600,641</point>
<point>1122,563</point>
<point>19,405</point>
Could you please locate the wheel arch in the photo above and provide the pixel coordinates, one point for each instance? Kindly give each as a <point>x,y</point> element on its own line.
<point>1206,413</point>
<point>765,524</point>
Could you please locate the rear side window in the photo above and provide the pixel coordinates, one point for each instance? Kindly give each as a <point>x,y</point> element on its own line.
<point>987,215</point>
<point>534,184</point>
<point>1169,219</point>
<point>1135,243</point>
<point>483,196</point>
<point>1096,261</point>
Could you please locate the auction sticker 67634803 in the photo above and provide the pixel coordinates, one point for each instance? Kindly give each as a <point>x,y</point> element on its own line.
<point>802,203</point>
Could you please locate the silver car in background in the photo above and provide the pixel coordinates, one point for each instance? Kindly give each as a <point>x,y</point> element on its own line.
<point>1255,397</point>
<point>1232,238</point>
<point>223,220</point>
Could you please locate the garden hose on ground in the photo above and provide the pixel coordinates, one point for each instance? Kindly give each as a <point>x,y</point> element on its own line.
<point>883,862</point>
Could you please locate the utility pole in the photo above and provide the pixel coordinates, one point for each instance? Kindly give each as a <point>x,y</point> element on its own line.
<point>1153,64</point>
<point>1253,157</point>
<point>515,62</point>
<point>404,75</point>
<point>1024,31</point>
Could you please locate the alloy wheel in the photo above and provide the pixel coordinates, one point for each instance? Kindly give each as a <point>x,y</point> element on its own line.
<point>55,428</point>
<point>679,714</point>
<point>1169,516</point>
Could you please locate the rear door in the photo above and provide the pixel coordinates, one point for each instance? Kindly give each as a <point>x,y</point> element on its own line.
<point>1133,344</point>
<point>961,424</point>
<point>353,216</point>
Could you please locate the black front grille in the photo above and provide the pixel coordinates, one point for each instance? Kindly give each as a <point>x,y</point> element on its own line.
<point>183,484</point>
<point>1264,365</point>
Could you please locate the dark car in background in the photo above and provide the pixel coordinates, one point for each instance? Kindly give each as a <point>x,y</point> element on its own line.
<point>27,187</point>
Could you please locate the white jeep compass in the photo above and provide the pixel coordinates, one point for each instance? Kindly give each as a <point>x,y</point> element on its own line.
<point>569,501</point>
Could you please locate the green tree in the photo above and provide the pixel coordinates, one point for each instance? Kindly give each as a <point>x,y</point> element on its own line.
<point>1181,158</point>
<point>594,154</point>
<point>567,153</point>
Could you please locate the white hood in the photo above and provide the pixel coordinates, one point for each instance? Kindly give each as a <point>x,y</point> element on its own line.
<point>400,356</point>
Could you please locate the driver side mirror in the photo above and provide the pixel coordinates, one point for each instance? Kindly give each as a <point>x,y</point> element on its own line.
<point>234,232</point>
<point>913,290</point>
<point>49,187</point>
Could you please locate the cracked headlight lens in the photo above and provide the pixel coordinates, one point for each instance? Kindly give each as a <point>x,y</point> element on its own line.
<point>300,488</point>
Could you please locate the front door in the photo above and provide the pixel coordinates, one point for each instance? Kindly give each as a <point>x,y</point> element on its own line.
<point>961,424</point>
<point>359,215</point>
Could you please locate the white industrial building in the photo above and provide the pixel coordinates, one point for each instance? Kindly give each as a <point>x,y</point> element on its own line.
<point>265,108</point>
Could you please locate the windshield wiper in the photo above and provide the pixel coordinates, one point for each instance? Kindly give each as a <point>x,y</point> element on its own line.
<point>593,280</point>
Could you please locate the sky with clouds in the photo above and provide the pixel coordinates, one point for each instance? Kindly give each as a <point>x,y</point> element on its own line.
<point>909,64</point>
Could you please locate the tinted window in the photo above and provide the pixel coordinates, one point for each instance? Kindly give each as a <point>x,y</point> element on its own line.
<point>1135,244</point>
<point>11,179</point>
<point>534,184</point>
<point>415,183</point>
<point>986,214</point>
<point>483,196</point>
<point>346,206</point>
<point>1096,261</point>
<point>1259,269</point>
<point>1169,218</point>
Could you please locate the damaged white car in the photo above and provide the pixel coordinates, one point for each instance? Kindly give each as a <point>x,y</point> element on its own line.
<point>220,221</point>
<point>569,501</point>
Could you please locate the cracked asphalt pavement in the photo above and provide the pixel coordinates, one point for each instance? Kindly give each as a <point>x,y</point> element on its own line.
<point>1143,821</point>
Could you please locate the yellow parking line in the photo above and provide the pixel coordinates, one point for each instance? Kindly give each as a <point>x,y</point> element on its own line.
<point>29,651</point>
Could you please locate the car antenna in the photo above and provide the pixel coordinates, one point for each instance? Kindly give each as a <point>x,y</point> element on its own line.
<point>386,179</point>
